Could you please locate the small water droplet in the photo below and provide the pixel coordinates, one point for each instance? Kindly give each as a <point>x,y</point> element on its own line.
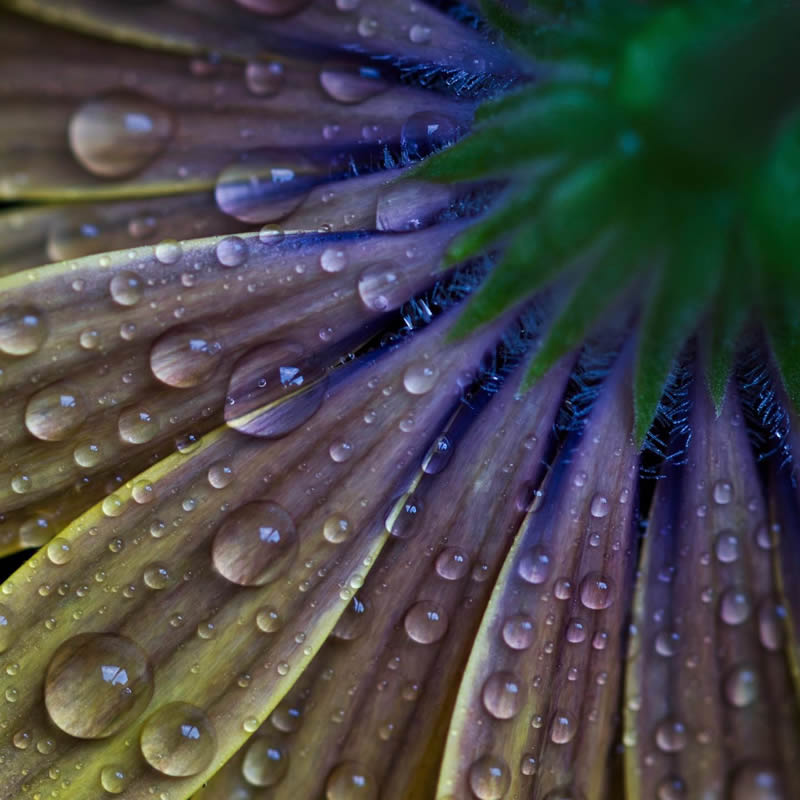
<point>727,546</point>
<point>264,78</point>
<point>178,740</point>
<point>671,735</point>
<point>722,492</point>
<point>563,727</point>
<point>382,287</point>
<point>350,780</point>
<point>402,518</point>
<point>232,251</point>
<point>337,529</point>
<point>518,632</point>
<point>438,456</point>
<point>59,551</point>
<point>7,630</point>
<point>596,591</point>
<point>742,686</point>
<point>255,544</point>
<point>220,474</point>
<point>353,621</point>
<point>734,606</point>
<point>452,564</point>
<point>265,762</point>
<point>489,778</point>
<point>185,356</point>
<point>599,506</point>
<point>340,451</point>
<point>268,620</point>
<point>420,378</point>
<point>137,426</point>
<point>97,684</point>
<point>333,260</point>
<point>168,252</point>
<point>671,788</point>
<point>113,779</point>
<point>756,781</point>
<point>350,83</point>
<point>534,566</point>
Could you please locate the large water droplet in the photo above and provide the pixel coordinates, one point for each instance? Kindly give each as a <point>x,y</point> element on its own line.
<point>178,740</point>
<point>425,622</point>
<point>350,83</point>
<point>232,251</point>
<point>420,378</point>
<point>563,727</point>
<point>96,684</point>
<point>23,330</point>
<point>727,546</point>
<point>185,356</point>
<point>113,779</point>
<point>56,412</point>
<point>518,632</point>
<point>452,564</point>
<point>337,529</point>
<point>119,133</point>
<point>350,780</point>
<point>734,606</point>
<point>503,695</point>
<point>265,762</point>
<point>489,778</point>
<point>274,390</point>
<point>402,519</point>
<point>255,544</point>
<point>266,186</point>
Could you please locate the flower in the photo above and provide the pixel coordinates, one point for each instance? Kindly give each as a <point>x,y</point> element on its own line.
<point>307,525</point>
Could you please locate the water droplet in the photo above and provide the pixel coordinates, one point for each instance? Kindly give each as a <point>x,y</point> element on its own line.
<point>23,330</point>
<point>419,34</point>
<point>178,740</point>
<point>7,631</point>
<point>596,591</point>
<point>425,622</point>
<point>452,564</point>
<point>274,390</point>
<point>563,727</point>
<point>534,566</point>
<point>185,356</point>
<point>88,454</point>
<point>489,778</point>
<point>89,339</point>
<point>220,474</point>
<point>402,518</point>
<point>168,252</point>
<point>734,607</point>
<point>21,483</point>
<point>340,451</point>
<point>156,576</point>
<point>727,546</point>
<point>353,621</point>
<point>113,779</point>
<point>599,506</point>
<point>723,492</point>
<point>350,780</point>
<point>757,782</point>
<point>503,695</point>
<point>666,643</point>
<point>576,631</point>
<point>438,456</point>
<point>97,684</point>
<point>265,762</point>
<point>742,686</point>
<point>137,426</point>
<point>59,551</point>
<point>420,378</point>
<point>255,544</point>
<point>518,632</point>
<point>337,529</point>
<point>267,186</point>
<point>268,620</point>
<point>264,78</point>
<point>671,736</point>
<point>126,288</point>
<point>54,413</point>
<point>119,133</point>
<point>333,260</point>
<point>671,788</point>
<point>382,287</point>
<point>232,251</point>
<point>350,83</point>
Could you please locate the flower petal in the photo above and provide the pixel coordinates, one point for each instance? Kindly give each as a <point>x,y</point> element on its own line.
<point>377,698</point>
<point>537,704</point>
<point>707,687</point>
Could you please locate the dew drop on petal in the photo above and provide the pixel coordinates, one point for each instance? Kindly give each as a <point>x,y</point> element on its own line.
<point>599,506</point>
<point>220,474</point>
<point>518,632</point>
<point>333,259</point>
<point>185,356</point>
<point>255,544</point>
<point>56,412</point>
<point>178,740</point>
<point>722,492</point>
<point>137,426</point>
<point>264,78</point>
<point>741,686</point>
<point>59,551</point>
<point>7,629</point>
<point>273,390</point>
<point>353,621</point>
<point>168,252</point>
<point>232,251</point>
<point>756,781</point>
<point>117,134</point>
<point>23,330</point>
<point>420,378</point>
<point>671,735</point>
<point>489,778</point>
<point>350,83</point>
<point>727,546</point>
<point>503,695</point>
<point>563,727</point>
<point>265,762</point>
<point>438,456</point>
<point>402,519</point>
<point>596,591</point>
<point>126,288</point>
<point>268,620</point>
<point>734,607</point>
<point>113,779</point>
<point>425,622</point>
<point>337,529</point>
<point>671,788</point>
<point>452,564</point>
<point>382,287</point>
<point>534,566</point>
<point>350,780</point>
<point>97,684</point>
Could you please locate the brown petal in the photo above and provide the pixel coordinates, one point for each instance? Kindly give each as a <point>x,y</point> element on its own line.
<point>708,710</point>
